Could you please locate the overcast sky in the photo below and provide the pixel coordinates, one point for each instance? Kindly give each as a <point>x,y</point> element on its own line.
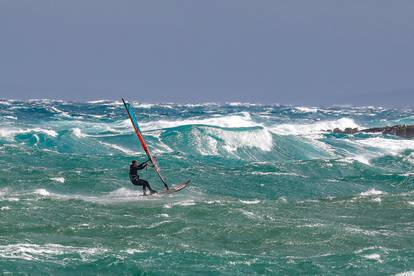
<point>290,52</point>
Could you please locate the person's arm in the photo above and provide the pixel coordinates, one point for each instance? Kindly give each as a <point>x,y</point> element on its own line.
<point>142,165</point>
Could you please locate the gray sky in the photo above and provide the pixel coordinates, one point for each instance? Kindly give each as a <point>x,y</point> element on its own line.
<point>291,52</point>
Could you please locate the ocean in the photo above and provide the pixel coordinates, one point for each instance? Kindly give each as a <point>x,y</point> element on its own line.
<point>271,191</point>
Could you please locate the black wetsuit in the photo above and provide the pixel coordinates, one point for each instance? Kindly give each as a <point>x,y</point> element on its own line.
<point>134,177</point>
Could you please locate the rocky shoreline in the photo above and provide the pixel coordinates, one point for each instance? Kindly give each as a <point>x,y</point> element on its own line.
<point>404,131</point>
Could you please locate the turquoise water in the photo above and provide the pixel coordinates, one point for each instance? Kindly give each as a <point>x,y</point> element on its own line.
<point>271,192</point>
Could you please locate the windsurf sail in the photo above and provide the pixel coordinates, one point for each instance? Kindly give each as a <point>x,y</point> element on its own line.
<point>142,141</point>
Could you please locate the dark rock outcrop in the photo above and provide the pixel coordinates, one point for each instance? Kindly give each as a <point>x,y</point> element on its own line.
<point>398,130</point>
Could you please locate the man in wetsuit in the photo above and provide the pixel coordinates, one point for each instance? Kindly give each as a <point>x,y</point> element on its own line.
<point>134,177</point>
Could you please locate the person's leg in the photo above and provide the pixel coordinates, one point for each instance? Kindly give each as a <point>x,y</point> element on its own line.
<point>139,182</point>
<point>147,185</point>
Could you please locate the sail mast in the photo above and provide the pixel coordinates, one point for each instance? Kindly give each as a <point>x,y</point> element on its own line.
<point>142,141</point>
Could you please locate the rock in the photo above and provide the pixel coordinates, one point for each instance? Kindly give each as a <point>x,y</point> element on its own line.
<point>398,130</point>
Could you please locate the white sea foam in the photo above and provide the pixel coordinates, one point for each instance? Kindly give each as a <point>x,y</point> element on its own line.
<point>359,158</point>
<point>42,192</point>
<point>370,148</point>
<point>261,139</point>
<point>94,116</point>
<point>98,101</point>
<point>134,251</point>
<point>58,179</point>
<point>5,102</point>
<point>78,133</point>
<point>58,111</point>
<point>375,257</point>
<point>389,146</point>
<point>275,173</point>
<point>231,121</point>
<point>250,202</point>
<point>372,192</point>
<point>242,104</point>
<point>164,215</point>
<point>313,128</point>
<point>122,192</point>
<point>311,225</point>
<point>406,273</point>
<point>307,109</point>
<point>205,145</point>
<point>146,105</point>
<point>117,196</point>
<point>407,174</point>
<point>188,202</point>
<point>282,199</point>
<point>10,133</point>
<point>218,140</point>
<point>106,102</point>
<point>248,214</point>
<point>29,251</point>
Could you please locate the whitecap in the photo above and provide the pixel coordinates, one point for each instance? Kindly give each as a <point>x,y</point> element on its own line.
<point>134,251</point>
<point>10,133</point>
<point>376,257</point>
<point>230,121</point>
<point>58,111</point>
<point>218,140</point>
<point>248,214</point>
<point>28,251</point>
<point>78,133</point>
<point>306,109</point>
<point>242,104</point>
<point>372,192</point>
<point>146,105</point>
<point>250,202</point>
<point>164,215</point>
<point>388,146</point>
<point>58,179</point>
<point>97,101</point>
<point>313,128</point>
<point>42,192</point>
<point>311,225</point>
<point>276,173</point>
<point>405,273</point>
<point>282,199</point>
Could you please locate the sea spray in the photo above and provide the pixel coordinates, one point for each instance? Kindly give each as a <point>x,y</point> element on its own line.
<point>273,192</point>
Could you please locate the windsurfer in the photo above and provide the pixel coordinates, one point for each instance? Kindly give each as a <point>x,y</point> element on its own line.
<point>134,177</point>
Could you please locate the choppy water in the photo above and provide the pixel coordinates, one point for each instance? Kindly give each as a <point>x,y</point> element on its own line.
<point>271,193</point>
